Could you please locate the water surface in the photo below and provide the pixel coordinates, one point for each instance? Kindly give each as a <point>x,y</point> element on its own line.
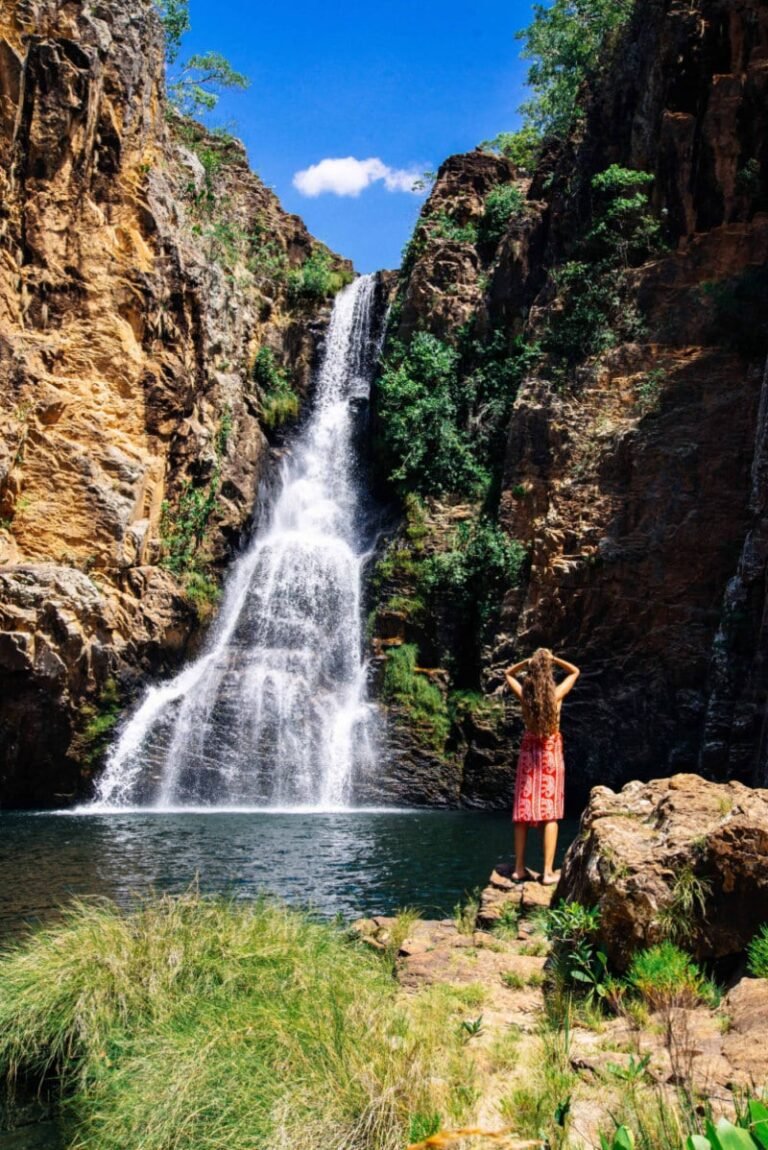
<point>350,862</point>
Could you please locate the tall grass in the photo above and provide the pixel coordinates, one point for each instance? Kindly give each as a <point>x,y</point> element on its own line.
<point>202,1024</point>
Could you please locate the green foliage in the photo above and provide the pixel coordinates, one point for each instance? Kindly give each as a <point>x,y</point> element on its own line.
<point>444,227</point>
<point>748,178</point>
<point>750,1132</point>
<point>184,527</point>
<point>757,954</point>
<point>317,278</point>
<point>521,147</point>
<point>623,230</point>
<point>507,924</point>
<point>196,87</point>
<point>502,204</point>
<point>465,912</point>
<point>593,312</point>
<point>421,405</point>
<point>207,1024</point>
<point>470,579</point>
<point>443,411</point>
<point>568,43</point>
<point>278,401</point>
<point>99,721</point>
<point>689,901</point>
<point>623,1139</point>
<point>423,1126</point>
<point>648,390</point>
<point>579,965</point>
<point>174,17</point>
<point>665,976</point>
<point>423,702</point>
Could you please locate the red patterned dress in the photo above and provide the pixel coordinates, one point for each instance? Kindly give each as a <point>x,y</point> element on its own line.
<point>540,779</point>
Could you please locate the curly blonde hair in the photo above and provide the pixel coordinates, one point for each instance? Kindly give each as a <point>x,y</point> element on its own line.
<point>539,702</point>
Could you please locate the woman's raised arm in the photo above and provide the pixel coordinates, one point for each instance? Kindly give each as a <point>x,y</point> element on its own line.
<point>515,686</point>
<point>568,683</point>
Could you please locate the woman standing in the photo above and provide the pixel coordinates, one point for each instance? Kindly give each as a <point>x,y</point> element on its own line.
<point>540,780</point>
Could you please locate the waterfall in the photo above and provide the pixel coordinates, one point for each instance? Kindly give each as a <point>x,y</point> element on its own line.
<point>274,712</point>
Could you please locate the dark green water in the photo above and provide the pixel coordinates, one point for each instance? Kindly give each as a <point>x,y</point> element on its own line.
<point>352,863</point>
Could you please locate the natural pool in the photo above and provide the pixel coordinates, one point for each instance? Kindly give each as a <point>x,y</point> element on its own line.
<point>349,862</point>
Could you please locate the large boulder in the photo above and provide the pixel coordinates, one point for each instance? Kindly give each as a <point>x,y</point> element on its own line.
<point>678,857</point>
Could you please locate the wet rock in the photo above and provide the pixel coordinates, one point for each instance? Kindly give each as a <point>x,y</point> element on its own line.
<point>678,857</point>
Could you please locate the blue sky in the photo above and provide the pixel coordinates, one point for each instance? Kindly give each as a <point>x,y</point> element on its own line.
<point>406,82</point>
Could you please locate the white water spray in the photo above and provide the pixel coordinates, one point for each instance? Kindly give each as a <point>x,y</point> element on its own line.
<point>275,711</point>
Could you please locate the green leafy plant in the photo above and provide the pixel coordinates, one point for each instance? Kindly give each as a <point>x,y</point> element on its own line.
<point>317,278</point>
<point>465,912</point>
<point>195,85</point>
<point>568,43</point>
<point>665,976</point>
<point>472,576</point>
<point>422,701</point>
<point>502,204</point>
<point>278,401</point>
<point>471,1027</point>
<point>751,1133</point>
<point>593,310</point>
<point>623,1139</point>
<point>99,721</point>
<point>521,147</point>
<point>506,925</point>
<point>578,964</point>
<point>757,954</point>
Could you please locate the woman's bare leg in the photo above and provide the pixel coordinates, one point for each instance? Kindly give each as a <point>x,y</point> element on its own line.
<point>521,836</point>
<point>550,846</point>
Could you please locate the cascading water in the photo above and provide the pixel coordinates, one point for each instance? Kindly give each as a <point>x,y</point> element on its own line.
<point>274,712</point>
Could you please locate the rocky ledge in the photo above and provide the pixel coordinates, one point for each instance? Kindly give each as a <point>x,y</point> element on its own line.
<point>681,857</point>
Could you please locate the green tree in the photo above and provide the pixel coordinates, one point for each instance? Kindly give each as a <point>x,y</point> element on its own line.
<point>420,412</point>
<point>566,43</point>
<point>199,82</point>
<point>195,86</point>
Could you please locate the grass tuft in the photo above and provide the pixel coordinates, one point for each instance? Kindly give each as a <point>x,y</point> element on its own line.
<point>194,1023</point>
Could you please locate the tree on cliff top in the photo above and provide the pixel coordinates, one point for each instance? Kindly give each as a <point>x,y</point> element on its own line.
<point>194,87</point>
<point>567,44</point>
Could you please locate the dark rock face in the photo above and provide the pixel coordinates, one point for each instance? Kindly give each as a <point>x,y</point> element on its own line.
<point>134,296</point>
<point>638,485</point>
<point>637,849</point>
<point>646,527</point>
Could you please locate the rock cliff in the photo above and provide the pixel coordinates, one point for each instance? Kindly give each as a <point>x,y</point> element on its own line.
<point>634,467</point>
<point>143,271</point>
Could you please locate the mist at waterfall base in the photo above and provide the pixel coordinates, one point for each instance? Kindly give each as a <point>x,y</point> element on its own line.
<point>274,713</point>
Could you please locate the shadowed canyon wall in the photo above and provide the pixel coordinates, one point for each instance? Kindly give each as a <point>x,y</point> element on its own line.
<point>142,267</point>
<point>636,477</point>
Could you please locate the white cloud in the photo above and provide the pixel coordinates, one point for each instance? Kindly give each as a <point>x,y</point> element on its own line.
<point>350,177</point>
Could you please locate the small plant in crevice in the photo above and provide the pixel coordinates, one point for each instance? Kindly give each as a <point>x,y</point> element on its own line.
<point>465,912</point>
<point>688,902</point>
<point>648,390</point>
